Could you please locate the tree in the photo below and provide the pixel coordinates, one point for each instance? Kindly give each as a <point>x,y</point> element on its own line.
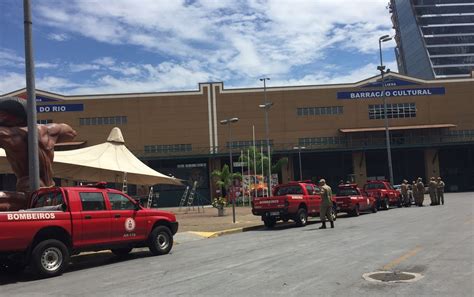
<point>276,167</point>
<point>225,178</point>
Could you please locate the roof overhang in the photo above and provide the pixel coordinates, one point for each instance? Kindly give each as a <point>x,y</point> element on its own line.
<point>377,129</point>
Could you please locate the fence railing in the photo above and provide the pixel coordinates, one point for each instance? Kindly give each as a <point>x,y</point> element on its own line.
<point>348,143</point>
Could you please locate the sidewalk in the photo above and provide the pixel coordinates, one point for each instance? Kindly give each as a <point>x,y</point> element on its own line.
<point>194,225</point>
<point>208,221</point>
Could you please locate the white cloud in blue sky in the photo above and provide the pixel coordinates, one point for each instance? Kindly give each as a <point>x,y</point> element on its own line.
<point>92,46</point>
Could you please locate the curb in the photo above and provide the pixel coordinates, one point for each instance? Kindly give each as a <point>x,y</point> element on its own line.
<point>225,232</point>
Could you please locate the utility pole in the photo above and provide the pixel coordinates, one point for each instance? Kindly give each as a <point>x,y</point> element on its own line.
<point>33,161</point>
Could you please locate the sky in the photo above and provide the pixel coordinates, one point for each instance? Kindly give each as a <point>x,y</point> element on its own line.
<point>130,46</point>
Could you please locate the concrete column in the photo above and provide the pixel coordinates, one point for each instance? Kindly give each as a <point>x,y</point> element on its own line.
<point>287,173</point>
<point>431,164</point>
<point>360,168</point>
<point>213,164</point>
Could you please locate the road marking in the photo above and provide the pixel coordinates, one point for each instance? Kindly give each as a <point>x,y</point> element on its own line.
<point>402,258</point>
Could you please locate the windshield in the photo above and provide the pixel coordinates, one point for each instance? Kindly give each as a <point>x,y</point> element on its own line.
<point>289,190</point>
<point>48,201</point>
<point>374,186</point>
<point>347,192</point>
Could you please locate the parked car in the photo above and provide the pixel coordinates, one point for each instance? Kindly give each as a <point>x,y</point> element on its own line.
<point>62,221</point>
<point>352,200</point>
<point>384,193</point>
<point>292,201</point>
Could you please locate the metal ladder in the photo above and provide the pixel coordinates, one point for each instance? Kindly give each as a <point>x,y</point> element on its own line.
<point>191,196</point>
<point>124,184</point>
<point>150,198</point>
<point>183,198</point>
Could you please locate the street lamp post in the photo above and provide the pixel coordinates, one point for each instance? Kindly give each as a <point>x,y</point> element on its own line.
<point>229,122</point>
<point>299,148</point>
<point>266,106</point>
<point>381,68</point>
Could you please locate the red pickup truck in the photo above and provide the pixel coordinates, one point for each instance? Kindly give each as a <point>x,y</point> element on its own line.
<point>352,200</point>
<point>64,221</point>
<point>385,194</point>
<point>292,201</point>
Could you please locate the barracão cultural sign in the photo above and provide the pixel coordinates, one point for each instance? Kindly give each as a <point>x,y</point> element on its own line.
<point>370,94</point>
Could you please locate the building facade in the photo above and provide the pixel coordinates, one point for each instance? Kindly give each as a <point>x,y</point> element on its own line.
<point>339,127</point>
<point>435,38</point>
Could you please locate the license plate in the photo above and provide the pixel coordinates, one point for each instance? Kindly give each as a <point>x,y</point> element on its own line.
<point>274,213</point>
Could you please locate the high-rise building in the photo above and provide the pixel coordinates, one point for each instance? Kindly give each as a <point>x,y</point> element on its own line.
<point>435,38</point>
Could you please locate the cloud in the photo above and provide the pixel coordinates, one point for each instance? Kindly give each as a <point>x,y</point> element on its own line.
<point>83,67</point>
<point>11,81</point>
<point>9,58</point>
<point>58,36</point>
<point>252,37</point>
<point>45,65</point>
<point>105,61</point>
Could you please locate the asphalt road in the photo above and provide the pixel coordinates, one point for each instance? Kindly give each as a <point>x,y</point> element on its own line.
<point>436,242</point>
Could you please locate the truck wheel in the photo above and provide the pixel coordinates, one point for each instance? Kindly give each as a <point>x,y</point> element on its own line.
<point>400,202</point>
<point>301,217</point>
<point>121,252</point>
<point>269,222</point>
<point>386,205</point>
<point>374,208</point>
<point>161,241</point>
<point>50,258</point>
<point>356,211</point>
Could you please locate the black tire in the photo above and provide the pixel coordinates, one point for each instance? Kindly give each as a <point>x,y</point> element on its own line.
<point>160,241</point>
<point>374,208</point>
<point>356,211</point>
<point>50,258</point>
<point>400,202</point>
<point>269,222</point>
<point>301,218</point>
<point>334,213</point>
<point>121,252</point>
<point>386,204</point>
<point>285,220</point>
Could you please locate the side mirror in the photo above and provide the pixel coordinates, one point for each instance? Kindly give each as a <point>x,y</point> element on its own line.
<point>137,206</point>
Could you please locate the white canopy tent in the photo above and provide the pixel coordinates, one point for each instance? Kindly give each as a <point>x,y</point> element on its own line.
<point>108,161</point>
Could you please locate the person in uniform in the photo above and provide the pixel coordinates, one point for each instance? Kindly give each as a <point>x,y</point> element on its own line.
<point>420,190</point>
<point>326,204</point>
<point>404,192</point>
<point>414,193</point>
<point>432,190</point>
<point>440,190</point>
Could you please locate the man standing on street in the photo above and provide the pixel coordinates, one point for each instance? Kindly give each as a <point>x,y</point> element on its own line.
<point>440,191</point>
<point>404,192</point>
<point>432,190</point>
<point>420,190</point>
<point>326,204</point>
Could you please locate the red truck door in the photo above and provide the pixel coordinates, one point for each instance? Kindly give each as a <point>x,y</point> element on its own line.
<point>314,200</point>
<point>127,222</point>
<point>95,219</point>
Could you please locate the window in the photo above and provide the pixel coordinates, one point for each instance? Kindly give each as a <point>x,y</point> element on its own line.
<point>347,192</point>
<point>324,141</point>
<point>313,111</point>
<point>116,120</point>
<point>48,201</point>
<point>168,148</point>
<point>120,202</point>
<point>394,111</point>
<point>92,201</point>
